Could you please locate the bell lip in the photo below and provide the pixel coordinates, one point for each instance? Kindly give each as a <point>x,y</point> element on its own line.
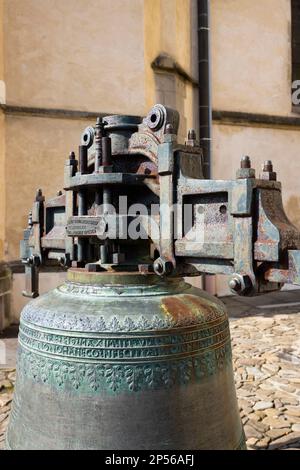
<point>80,275</point>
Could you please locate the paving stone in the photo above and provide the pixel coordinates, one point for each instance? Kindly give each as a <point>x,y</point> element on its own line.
<point>286,400</point>
<point>287,388</point>
<point>293,411</point>
<point>270,368</point>
<point>5,399</point>
<point>263,443</point>
<point>289,439</point>
<point>292,419</point>
<point>258,425</point>
<point>5,384</point>
<point>277,404</point>
<point>257,415</point>
<point>3,416</point>
<point>251,442</point>
<point>263,405</point>
<point>251,432</point>
<point>273,412</point>
<point>274,423</point>
<point>276,433</point>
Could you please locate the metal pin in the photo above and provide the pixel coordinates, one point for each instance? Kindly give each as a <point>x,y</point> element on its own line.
<point>83,159</point>
<point>191,134</point>
<point>268,166</point>
<point>169,129</point>
<point>245,162</point>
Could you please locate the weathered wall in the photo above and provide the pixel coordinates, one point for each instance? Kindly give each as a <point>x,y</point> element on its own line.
<point>36,150</point>
<point>251,70</point>
<point>86,56</point>
<point>75,54</point>
<point>61,54</point>
<point>170,27</point>
<point>2,139</point>
<point>279,145</point>
<point>67,56</point>
<point>251,55</point>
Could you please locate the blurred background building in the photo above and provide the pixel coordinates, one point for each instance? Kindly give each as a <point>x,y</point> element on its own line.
<point>62,62</point>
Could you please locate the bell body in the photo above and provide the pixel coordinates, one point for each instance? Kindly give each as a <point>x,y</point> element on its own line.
<point>124,361</point>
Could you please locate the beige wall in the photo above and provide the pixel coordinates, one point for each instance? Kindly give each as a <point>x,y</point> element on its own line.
<point>251,71</point>
<point>68,54</point>
<point>170,27</point>
<point>87,56</point>
<point>96,55</point>
<point>251,55</point>
<point>282,146</point>
<point>2,139</point>
<point>36,150</point>
<point>75,54</point>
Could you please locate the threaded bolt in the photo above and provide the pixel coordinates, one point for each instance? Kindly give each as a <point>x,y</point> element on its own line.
<point>245,162</point>
<point>235,284</point>
<point>191,134</point>
<point>268,166</point>
<point>169,129</point>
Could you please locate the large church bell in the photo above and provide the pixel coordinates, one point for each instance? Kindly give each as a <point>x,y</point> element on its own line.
<point>126,354</point>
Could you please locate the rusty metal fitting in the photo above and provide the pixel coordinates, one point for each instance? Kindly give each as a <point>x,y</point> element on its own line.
<point>93,267</point>
<point>30,223</point>
<point>267,171</point>
<point>39,196</point>
<point>163,267</point>
<point>245,162</point>
<point>169,129</point>
<point>155,118</point>
<point>241,284</point>
<point>245,170</point>
<point>33,260</point>
<point>191,140</point>
<point>192,134</point>
<point>88,136</point>
<point>145,268</point>
<point>118,258</point>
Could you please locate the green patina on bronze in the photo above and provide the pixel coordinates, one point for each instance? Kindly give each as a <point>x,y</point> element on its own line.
<point>153,350</point>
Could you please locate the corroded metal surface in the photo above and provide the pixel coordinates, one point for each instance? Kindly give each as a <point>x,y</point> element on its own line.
<point>124,329</point>
<point>140,363</point>
<point>236,227</point>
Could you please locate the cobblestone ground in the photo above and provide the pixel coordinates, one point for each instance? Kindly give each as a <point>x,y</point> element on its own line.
<point>7,380</point>
<point>266,356</point>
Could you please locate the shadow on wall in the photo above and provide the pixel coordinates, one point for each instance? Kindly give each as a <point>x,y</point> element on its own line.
<point>292,207</point>
<point>171,92</point>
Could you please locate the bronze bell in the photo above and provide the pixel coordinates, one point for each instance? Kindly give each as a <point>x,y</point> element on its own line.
<point>124,361</point>
<point>125,354</point>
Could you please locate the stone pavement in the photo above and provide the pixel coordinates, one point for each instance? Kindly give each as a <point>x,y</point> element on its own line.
<point>265,335</point>
<point>266,355</point>
<point>7,380</point>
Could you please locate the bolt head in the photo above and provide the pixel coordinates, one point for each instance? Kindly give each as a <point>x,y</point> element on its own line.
<point>245,162</point>
<point>235,284</point>
<point>169,129</point>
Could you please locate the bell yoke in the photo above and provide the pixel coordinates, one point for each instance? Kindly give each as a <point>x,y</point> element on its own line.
<point>125,354</point>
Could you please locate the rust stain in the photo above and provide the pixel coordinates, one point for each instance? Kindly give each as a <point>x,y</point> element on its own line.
<point>189,306</point>
<point>176,308</point>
